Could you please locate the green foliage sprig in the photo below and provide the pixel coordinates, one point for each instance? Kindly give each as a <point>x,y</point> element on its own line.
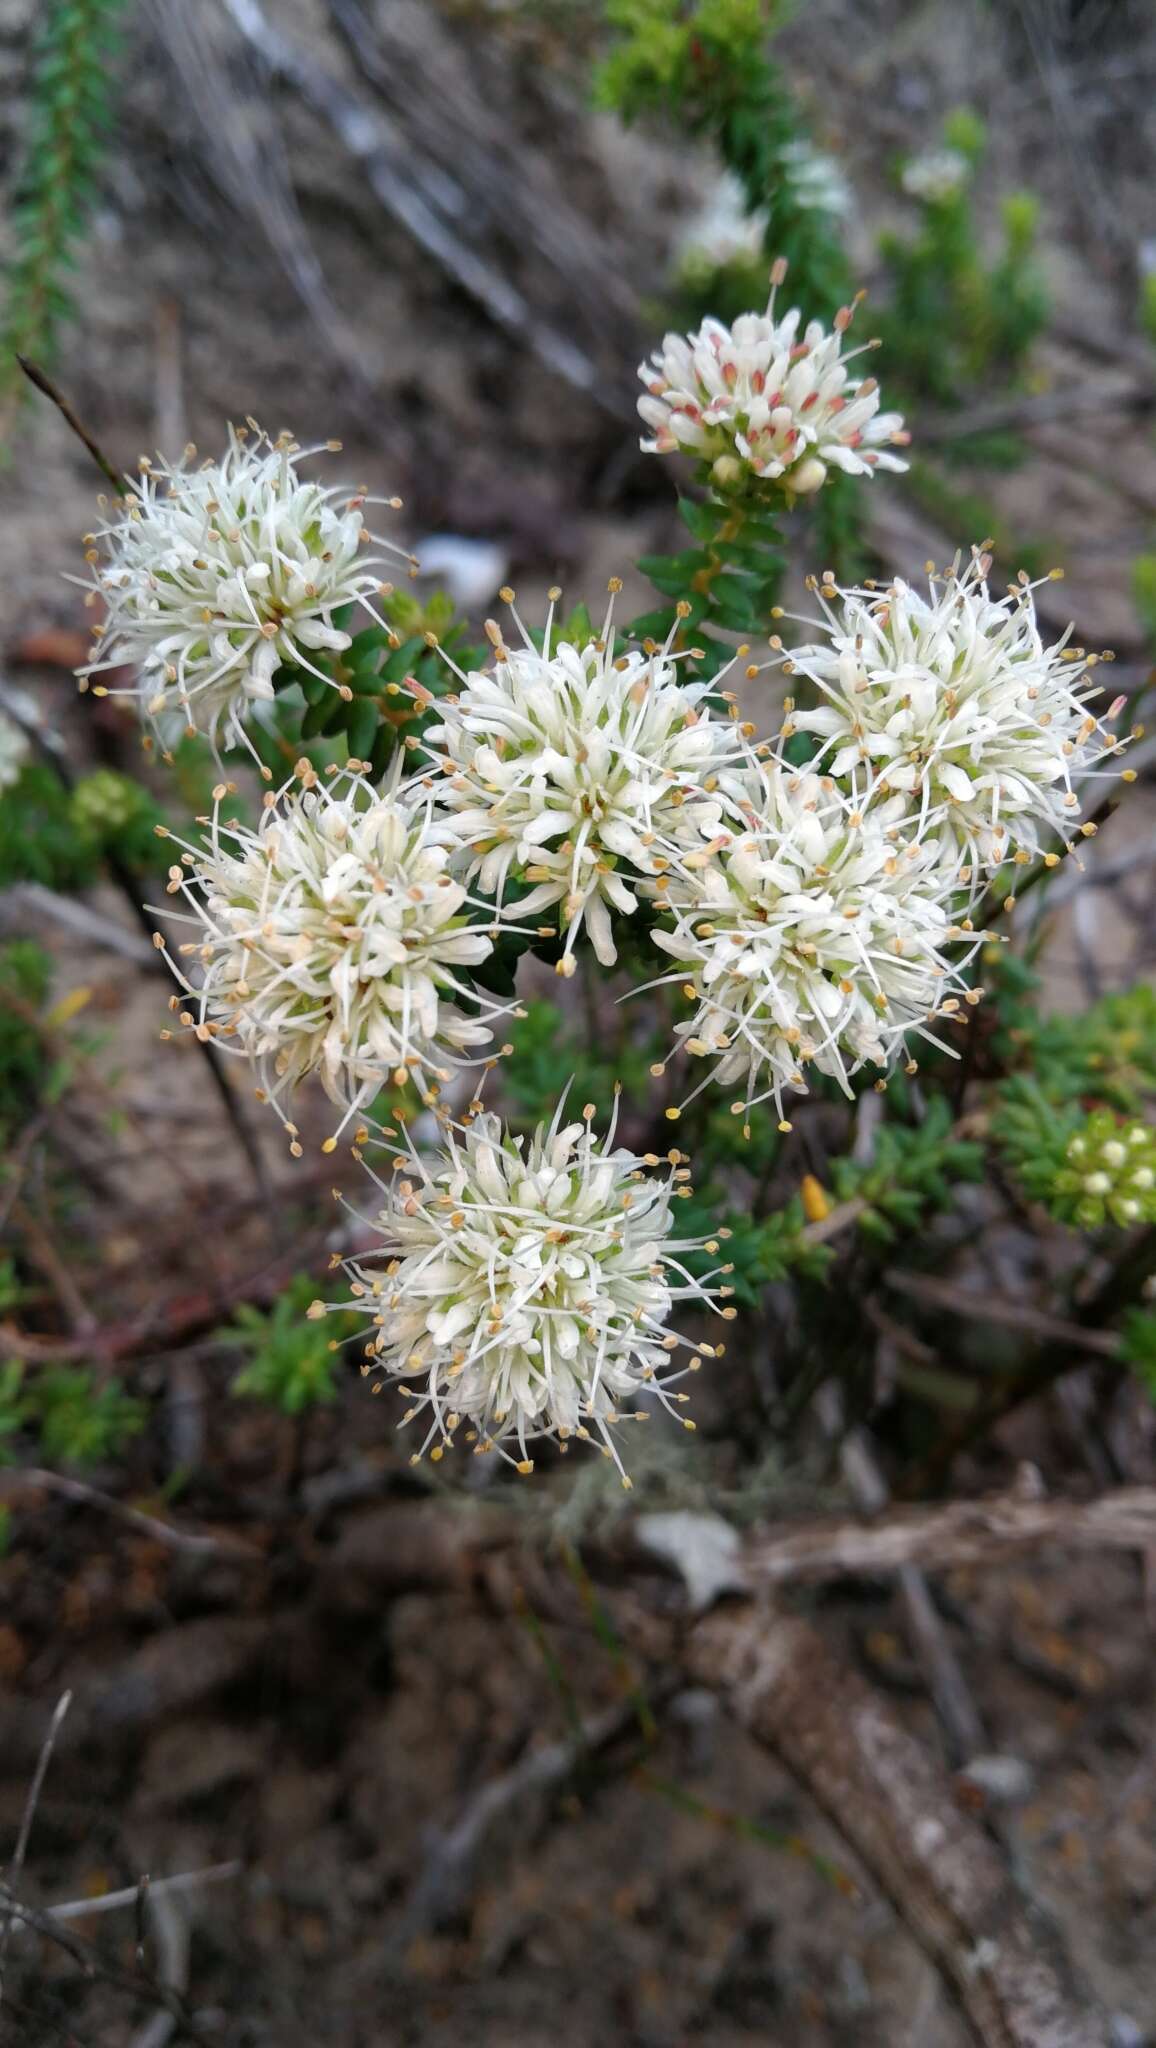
<point>391,674</point>
<point>954,320</point>
<point>58,835</point>
<point>290,1363</point>
<point>70,117</point>
<point>25,979</point>
<point>1105,1056</point>
<point>708,67</point>
<point>913,1174</point>
<point>70,1416</point>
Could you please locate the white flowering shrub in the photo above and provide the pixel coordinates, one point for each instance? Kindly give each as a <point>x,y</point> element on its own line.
<point>953,702</point>
<point>817,933</point>
<point>764,834</point>
<point>798,909</point>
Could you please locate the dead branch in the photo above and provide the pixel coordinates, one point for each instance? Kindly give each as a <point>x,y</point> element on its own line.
<point>35,1479</point>
<point>169,1921</point>
<point>451,1864</point>
<point>101,1969</point>
<point>994,1308</point>
<point>895,1808</point>
<point>962,1533</point>
<point>12,1876</point>
<point>29,906</point>
<point>129,1895</point>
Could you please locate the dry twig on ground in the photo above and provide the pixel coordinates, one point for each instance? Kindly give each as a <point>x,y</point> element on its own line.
<point>895,1808</point>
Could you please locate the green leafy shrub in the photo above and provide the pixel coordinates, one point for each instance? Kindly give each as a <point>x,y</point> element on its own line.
<point>954,322</point>
<point>290,1363</point>
<point>70,1415</point>
<point>69,124</point>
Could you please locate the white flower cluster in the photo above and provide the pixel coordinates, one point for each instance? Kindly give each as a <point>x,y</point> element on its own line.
<point>952,704</point>
<point>330,941</point>
<point>816,917</point>
<point>936,175</point>
<point>14,750</point>
<point>760,403</point>
<point>523,1291</point>
<point>217,576</point>
<point>813,935</point>
<point>575,772</point>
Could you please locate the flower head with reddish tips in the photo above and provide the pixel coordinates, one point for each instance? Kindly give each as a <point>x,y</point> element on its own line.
<point>523,1289</point>
<point>761,405</point>
<point>216,577</point>
<point>953,705</point>
<point>572,770</point>
<point>331,941</point>
<point>815,936</point>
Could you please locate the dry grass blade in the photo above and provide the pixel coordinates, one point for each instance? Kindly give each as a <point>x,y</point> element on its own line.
<point>16,1866</point>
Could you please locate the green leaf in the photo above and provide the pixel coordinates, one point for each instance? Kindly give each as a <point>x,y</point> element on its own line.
<point>361,725</point>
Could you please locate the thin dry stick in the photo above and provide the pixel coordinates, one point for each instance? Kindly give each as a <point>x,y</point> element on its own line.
<point>35,1477</point>
<point>171,1933</point>
<point>453,1856</point>
<point>139,1986</point>
<point>964,1533</point>
<point>122,876</point>
<point>43,382</point>
<point>994,1308</point>
<point>897,1811</point>
<point>12,1880</point>
<point>111,1902</point>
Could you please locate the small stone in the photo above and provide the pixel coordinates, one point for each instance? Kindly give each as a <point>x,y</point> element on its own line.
<point>1124,2032</point>
<point>1004,1780</point>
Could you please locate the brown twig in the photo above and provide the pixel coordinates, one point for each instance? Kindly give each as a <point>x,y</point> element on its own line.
<point>15,1867</point>
<point>44,383</point>
<point>126,883</point>
<point>1122,1286</point>
<point>937,1660</point>
<point>1038,408</point>
<point>139,1985</point>
<point>453,1857</point>
<point>963,1533</point>
<point>993,1308</point>
<point>188,1541</point>
<point>111,1902</point>
<point>897,1811</point>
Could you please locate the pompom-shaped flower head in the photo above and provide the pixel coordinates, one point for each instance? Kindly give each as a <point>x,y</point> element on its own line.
<point>331,941</point>
<point>814,937</point>
<point>953,702</point>
<point>573,770</point>
<point>523,1290</point>
<point>214,577</point>
<point>761,404</point>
